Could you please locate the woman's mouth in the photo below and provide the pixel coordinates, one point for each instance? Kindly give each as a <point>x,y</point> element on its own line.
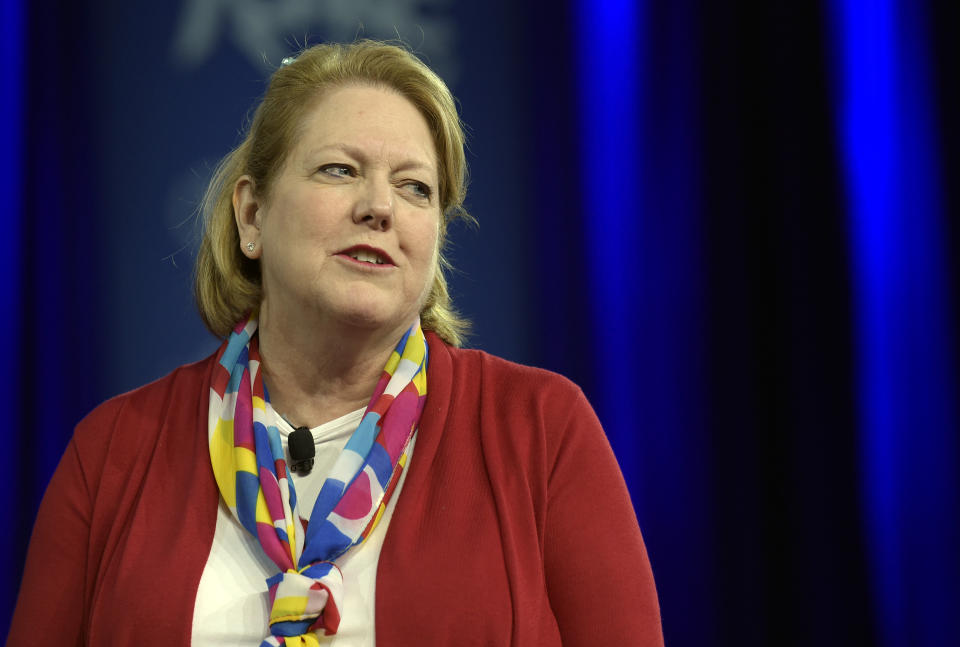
<point>366,254</point>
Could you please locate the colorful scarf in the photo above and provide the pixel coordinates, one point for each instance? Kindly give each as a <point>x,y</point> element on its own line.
<point>251,472</point>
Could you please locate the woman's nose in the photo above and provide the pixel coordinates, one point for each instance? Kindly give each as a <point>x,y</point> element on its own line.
<point>375,205</point>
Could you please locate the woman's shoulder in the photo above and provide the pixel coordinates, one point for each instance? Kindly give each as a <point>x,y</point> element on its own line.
<point>533,415</point>
<point>486,370</point>
<point>502,391</point>
<point>145,409</point>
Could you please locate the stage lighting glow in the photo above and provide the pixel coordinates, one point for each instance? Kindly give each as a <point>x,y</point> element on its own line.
<point>906,382</point>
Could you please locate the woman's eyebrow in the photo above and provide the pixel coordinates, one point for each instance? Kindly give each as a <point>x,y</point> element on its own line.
<point>357,153</point>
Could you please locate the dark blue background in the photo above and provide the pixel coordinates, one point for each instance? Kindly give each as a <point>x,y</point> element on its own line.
<point>733,224</point>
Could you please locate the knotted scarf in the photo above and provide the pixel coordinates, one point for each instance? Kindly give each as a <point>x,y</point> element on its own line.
<point>251,472</point>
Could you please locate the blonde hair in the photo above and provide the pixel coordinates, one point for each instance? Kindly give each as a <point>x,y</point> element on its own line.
<point>227,284</point>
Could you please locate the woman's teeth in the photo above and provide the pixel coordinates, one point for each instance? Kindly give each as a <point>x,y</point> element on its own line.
<point>365,256</point>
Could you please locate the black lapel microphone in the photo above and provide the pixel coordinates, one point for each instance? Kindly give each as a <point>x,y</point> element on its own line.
<point>302,451</point>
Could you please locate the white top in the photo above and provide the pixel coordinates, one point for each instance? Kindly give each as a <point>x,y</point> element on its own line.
<point>232,601</point>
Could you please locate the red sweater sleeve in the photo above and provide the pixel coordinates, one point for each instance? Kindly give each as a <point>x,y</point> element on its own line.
<point>52,588</point>
<point>598,575</point>
<point>125,526</point>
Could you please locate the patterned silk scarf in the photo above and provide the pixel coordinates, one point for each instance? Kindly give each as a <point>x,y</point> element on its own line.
<point>251,472</point>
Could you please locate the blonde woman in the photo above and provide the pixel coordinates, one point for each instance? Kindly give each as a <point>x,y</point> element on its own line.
<point>340,472</point>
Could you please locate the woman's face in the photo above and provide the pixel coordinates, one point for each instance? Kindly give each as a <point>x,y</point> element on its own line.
<point>349,228</point>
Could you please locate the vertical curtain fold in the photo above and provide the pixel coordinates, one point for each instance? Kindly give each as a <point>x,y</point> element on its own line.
<point>905,325</point>
<point>11,381</point>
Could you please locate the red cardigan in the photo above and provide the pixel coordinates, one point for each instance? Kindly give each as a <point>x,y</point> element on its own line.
<point>514,526</point>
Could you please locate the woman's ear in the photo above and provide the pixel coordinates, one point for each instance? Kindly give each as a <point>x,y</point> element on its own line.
<point>246,210</point>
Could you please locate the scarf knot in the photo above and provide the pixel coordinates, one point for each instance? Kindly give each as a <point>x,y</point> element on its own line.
<point>305,601</point>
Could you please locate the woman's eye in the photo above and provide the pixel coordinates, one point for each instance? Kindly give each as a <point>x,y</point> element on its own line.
<point>337,170</point>
<point>419,189</point>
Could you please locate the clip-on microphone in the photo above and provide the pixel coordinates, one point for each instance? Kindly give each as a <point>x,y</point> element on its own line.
<point>302,451</point>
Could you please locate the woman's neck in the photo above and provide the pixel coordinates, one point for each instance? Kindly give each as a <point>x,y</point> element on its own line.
<point>318,372</point>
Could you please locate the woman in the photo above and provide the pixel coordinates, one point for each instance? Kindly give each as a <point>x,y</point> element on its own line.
<point>455,498</point>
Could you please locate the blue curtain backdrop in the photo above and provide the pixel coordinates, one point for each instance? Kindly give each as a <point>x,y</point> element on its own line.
<point>734,226</point>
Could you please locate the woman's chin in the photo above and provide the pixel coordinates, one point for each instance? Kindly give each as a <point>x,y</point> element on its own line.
<point>340,310</point>
<point>372,318</point>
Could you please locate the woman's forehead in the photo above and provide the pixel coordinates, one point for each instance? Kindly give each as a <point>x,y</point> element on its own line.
<point>370,123</point>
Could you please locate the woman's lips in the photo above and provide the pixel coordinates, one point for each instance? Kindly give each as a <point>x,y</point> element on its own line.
<point>366,255</point>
